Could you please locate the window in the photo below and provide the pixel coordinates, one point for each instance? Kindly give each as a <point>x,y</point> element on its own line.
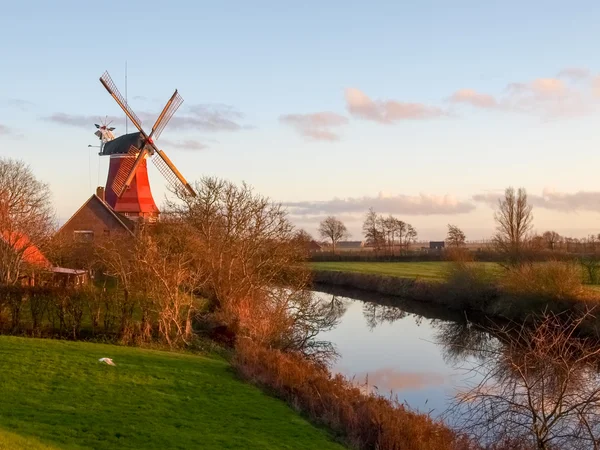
<point>83,236</point>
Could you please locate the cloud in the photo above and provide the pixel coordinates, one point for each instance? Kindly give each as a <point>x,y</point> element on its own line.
<point>187,144</point>
<point>421,205</point>
<point>18,103</point>
<point>596,86</point>
<point>574,73</point>
<point>9,132</point>
<point>543,97</point>
<point>474,98</point>
<point>315,126</point>
<point>83,121</point>
<point>202,117</point>
<point>387,111</point>
<point>552,200</point>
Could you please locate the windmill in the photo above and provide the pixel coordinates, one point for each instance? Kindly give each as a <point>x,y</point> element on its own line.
<point>127,186</point>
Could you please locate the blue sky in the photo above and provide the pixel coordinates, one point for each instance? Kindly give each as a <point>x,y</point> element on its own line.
<point>413,109</point>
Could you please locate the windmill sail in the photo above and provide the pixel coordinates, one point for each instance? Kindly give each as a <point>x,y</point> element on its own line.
<point>111,87</point>
<point>170,172</point>
<point>167,113</point>
<point>139,145</point>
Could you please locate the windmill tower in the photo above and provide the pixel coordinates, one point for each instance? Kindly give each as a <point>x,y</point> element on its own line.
<point>127,188</point>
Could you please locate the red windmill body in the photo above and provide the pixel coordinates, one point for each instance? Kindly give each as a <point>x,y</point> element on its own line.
<point>127,186</point>
<point>135,201</point>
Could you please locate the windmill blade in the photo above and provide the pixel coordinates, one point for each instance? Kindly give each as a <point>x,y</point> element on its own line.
<point>167,113</point>
<point>170,172</point>
<point>127,170</point>
<point>110,86</point>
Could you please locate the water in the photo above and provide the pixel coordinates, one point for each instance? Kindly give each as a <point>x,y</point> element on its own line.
<point>399,352</point>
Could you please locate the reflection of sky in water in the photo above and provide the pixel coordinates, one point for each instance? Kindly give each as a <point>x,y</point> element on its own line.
<point>401,356</point>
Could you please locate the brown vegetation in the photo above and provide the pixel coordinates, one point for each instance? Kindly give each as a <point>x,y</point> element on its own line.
<point>26,220</point>
<point>363,421</point>
<point>538,383</point>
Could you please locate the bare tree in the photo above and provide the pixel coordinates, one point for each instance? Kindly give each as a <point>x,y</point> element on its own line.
<point>248,267</point>
<point>551,239</point>
<point>410,236</point>
<point>371,229</point>
<point>333,229</point>
<point>538,383</point>
<point>455,237</point>
<point>514,222</point>
<point>26,218</point>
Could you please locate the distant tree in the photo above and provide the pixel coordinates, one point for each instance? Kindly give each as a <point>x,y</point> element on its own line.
<point>410,236</point>
<point>455,237</point>
<point>371,230</point>
<point>334,230</point>
<point>26,217</point>
<point>551,239</point>
<point>514,222</point>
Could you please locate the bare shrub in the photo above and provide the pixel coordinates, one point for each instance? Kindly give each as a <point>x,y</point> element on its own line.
<point>364,421</point>
<point>539,384</point>
<point>469,284</point>
<point>250,264</point>
<point>553,280</point>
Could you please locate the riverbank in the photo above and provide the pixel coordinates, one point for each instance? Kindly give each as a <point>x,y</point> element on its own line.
<point>56,394</point>
<point>473,288</point>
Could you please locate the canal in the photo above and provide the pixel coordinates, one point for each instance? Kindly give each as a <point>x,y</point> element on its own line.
<point>400,351</point>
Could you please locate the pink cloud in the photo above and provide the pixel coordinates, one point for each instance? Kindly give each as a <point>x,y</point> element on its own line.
<point>387,111</point>
<point>543,97</point>
<point>474,98</point>
<point>316,126</point>
<point>596,86</point>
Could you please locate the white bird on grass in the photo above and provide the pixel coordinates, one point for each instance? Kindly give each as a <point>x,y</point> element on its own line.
<point>107,361</point>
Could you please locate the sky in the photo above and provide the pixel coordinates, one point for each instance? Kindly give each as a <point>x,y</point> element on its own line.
<point>424,110</point>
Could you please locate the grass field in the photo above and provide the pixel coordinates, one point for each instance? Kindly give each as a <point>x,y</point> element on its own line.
<point>431,270</point>
<point>56,395</point>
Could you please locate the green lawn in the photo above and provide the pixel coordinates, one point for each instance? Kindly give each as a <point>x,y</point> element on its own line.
<point>56,395</point>
<point>431,270</point>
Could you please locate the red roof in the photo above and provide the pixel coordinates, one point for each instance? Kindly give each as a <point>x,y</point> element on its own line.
<point>31,254</point>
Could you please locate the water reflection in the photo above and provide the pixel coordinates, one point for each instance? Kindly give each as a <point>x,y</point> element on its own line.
<point>537,383</point>
<point>392,351</point>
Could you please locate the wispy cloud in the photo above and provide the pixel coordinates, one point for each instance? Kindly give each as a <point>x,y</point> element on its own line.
<point>82,120</point>
<point>203,117</point>
<point>362,106</point>
<point>315,126</point>
<point>6,131</point>
<point>19,103</point>
<point>596,86</point>
<point>543,97</point>
<point>186,144</point>
<point>420,205</point>
<point>474,98</point>
<point>574,73</point>
<point>552,200</point>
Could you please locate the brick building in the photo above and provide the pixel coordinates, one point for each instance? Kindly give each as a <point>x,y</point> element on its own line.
<point>95,220</point>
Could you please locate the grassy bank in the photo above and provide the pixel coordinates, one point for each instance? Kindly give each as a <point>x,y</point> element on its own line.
<point>56,395</point>
<point>429,270</point>
<point>511,294</point>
